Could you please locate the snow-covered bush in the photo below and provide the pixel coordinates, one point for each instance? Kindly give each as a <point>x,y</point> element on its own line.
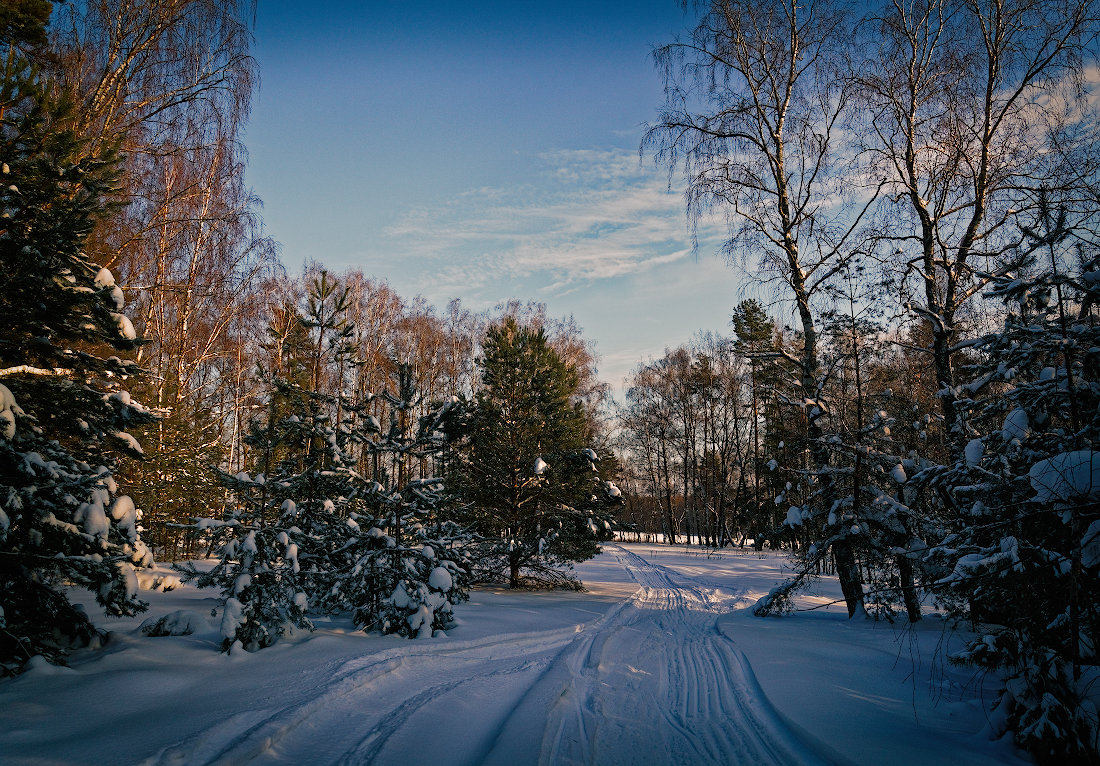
<point>403,564</point>
<point>408,589</point>
<point>262,585</point>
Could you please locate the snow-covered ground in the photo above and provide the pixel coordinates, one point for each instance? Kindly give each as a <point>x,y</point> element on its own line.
<point>660,661</point>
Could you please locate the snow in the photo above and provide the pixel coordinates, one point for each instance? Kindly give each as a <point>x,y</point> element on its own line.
<point>1067,476</point>
<point>129,579</point>
<point>974,451</point>
<point>181,622</point>
<point>125,326</point>
<point>400,596</point>
<point>440,579</point>
<point>659,661</point>
<point>94,518</point>
<point>898,474</point>
<point>104,278</point>
<point>125,513</point>
<point>1016,425</point>
<point>8,410</point>
<point>129,441</point>
<point>232,616</point>
<point>242,582</point>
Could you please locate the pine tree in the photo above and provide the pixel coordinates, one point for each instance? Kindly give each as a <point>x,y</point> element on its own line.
<point>63,413</point>
<point>176,477</point>
<point>407,571</point>
<point>276,533</point>
<point>523,467</point>
<point>770,432</point>
<point>309,531</point>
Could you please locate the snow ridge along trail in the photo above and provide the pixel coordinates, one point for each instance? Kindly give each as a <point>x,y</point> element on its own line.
<point>651,681</point>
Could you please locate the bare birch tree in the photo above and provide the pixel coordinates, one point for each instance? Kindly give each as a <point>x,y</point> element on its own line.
<point>971,110</point>
<point>754,104</point>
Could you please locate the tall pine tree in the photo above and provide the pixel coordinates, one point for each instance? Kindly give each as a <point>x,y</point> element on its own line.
<point>524,468</point>
<point>63,413</point>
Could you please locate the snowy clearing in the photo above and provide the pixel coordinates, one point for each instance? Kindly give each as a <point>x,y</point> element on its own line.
<point>659,662</point>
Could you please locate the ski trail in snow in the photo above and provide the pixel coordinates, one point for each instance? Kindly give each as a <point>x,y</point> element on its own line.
<point>351,712</point>
<point>650,681</point>
<point>658,683</point>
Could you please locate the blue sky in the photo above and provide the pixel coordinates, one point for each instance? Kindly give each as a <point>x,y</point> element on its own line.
<point>484,151</point>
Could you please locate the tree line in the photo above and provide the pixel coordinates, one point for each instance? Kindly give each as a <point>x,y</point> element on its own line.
<point>913,187</point>
<point>168,391</point>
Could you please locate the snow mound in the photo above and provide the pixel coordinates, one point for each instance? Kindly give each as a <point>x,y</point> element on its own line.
<point>974,451</point>
<point>104,278</point>
<point>440,579</point>
<point>182,622</point>
<point>8,410</point>
<point>1016,425</point>
<point>157,581</point>
<point>125,326</point>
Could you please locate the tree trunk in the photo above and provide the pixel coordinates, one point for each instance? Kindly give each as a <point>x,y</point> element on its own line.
<point>513,572</point>
<point>909,589</point>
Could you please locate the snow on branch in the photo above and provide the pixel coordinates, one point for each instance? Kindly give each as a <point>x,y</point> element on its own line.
<point>26,369</point>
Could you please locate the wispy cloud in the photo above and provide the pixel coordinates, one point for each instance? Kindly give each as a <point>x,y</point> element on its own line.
<point>591,215</point>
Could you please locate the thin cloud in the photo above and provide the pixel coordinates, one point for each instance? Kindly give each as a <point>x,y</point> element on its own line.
<point>595,215</point>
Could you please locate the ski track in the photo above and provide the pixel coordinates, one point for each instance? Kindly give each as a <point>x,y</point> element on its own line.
<point>661,684</point>
<point>652,680</point>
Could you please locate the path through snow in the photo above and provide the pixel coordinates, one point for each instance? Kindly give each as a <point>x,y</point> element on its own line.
<point>651,681</point>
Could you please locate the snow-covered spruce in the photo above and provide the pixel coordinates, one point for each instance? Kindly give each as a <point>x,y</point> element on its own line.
<point>309,531</point>
<point>63,413</point>
<point>408,589</point>
<point>404,565</point>
<point>262,586</point>
<point>1021,511</point>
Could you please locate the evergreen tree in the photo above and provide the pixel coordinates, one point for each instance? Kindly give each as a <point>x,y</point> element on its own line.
<point>63,413</point>
<point>276,533</point>
<point>23,22</point>
<point>769,432</point>
<point>311,531</point>
<point>406,572</point>
<point>176,477</point>
<point>1019,556</point>
<point>529,479</point>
